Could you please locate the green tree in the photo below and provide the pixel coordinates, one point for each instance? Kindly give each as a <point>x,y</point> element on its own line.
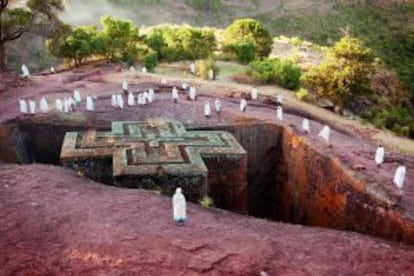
<point>120,40</point>
<point>248,31</point>
<point>345,72</point>
<point>14,22</point>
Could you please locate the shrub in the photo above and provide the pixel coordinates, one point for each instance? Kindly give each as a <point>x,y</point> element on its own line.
<point>151,61</point>
<point>206,201</point>
<point>244,52</point>
<point>281,71</point>
<point>243,31</point>
<point>204,66</point>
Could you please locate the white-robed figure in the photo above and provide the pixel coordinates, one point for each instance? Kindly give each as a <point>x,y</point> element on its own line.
<point>207,109</point>
<point>90,106</point>
<point>52,70</point>
<point>119,101</point>
<point>325,133</point>
<point>44,107</point>
<point>144,70</point>
<point>59,105</point>
<point>279,113</point>
<point>400,176</point>
<point>77,96</point>
<point>179,207</point>
<point>32,106</point>
<point>254,93</point>
<point>114,102</point>
<point>23,106</point>
<point>125,86</point>
<point>146,97</point>
<point>163,81</point>
<point>132,69</point>
<point>140,99</point>
<point>174,94</point>
<point>192,68</point>
<point>211,74</point>
<point>192,94</point>
<point>305,125</point>
<point>184,86</point>
<point>379,155</point>
<point>279,99</point>
<point>217,105</point>
<point>151,95</point>
<point>243,105</point>
<point>131,100</point>
<point>25,71</point>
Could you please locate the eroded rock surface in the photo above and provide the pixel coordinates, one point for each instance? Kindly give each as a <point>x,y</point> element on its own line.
<point>57,223</point>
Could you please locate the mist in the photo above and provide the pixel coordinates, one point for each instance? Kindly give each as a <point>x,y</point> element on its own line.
<point>80,12</point>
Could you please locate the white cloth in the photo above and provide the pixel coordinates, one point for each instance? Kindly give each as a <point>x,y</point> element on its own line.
<point>23,106</point>
<point>32,107</point>
<point>25,71</point>
<point>179,206</point>
<point>163,81</point>
<point>379,155</point>
<point>77,96</point>
<point>124,85</point>
<point>131,100</point>
<point>146,97</point>
<point>217,104</point>
<point>59,105</point>
<point>399,176</point>
<point>140,99</point>
<point>207,109</point>
<point>243,105</point>
<point>192,68</point>
<point>279,113</point>
<point>174,94</point>
<point>305,125</point>
<point>114,101</point>
<point>44,107</point>
<point>254,94</point>
<point>211,74</point>
<point>119,101</point>
<point>52,70</point>
<point>192,93</point>
<point>279,98</point>
<point>151,95</point>
<point>325,133</point>
<point>90,106</point>
<point>144,70</point>
<point>66,105</point>
<point>184,86</point>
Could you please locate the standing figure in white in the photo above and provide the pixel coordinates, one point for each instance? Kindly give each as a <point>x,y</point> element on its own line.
<point>207,109</point>
<point>279,113</point>
<point>305,125</point>
<point>217,104</point>
<point>254,94</point>
<point>23,106</point>
<point>174,94</point>
<point>325,133</point>
<point>243,105</point>
<point>179,207</point>
<point>379,155</point>
<point>399,177</point>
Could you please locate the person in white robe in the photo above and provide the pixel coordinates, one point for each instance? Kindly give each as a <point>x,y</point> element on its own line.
<point>77,96</point>
<point>114,100</point>
<point>119,101</point>
<point>144,70</point>
<point>243,105</point>
<point>279,99</point>
<point>207,109</point>
<point>279,113</point>
<point>125,86</point>
<point>192,94</point>
<point>44,107</point>
<point>90,106</point>
<point>131,100</point>
<point>379,155</point>
<point>217,105</point>
<point>146,97</point>
<point>151,94</point>
<point>59,105</point>
<point>254,93</point>
<point>325,133</point>
<point>132,69</point>
<point>192,68</point>
<point>32,107</point>
<point>141,100</point>
<point>23,106</point>
<point>211,74</point>
<point>184,86</point>
<point>305,125</point>
<point>174,94</point>
<point>179,207</point>
<point>163,81</point>
<point>25,71</point>
<point>399,177</point>
<point>52,70</point>
<point>66,105</point>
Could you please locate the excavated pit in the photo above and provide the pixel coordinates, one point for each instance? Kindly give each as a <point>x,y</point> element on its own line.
<point>288,179</point>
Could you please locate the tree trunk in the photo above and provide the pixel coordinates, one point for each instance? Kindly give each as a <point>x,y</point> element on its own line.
<point>2,57</point>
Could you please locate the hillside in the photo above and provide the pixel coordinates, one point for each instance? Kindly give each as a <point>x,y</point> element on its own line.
<point>385,26</point>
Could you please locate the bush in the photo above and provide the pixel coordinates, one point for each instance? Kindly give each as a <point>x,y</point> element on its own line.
<point>244,52</point>
<point>206,202</point>
<point>244,31</point>
<point>204,66</point>
<point>283,72</point>
<point>151,61</point>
